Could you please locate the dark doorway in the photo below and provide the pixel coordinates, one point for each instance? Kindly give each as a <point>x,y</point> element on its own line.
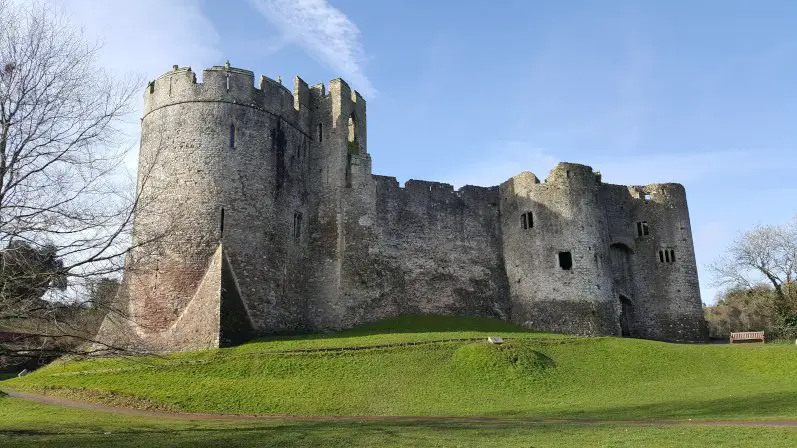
<point>626,316</point>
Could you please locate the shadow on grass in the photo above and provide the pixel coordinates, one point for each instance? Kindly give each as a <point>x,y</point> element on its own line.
<point>406,434</point>
<point>326,433</point>
<point>769,405</point>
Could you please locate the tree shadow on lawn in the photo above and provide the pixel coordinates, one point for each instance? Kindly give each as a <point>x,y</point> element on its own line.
<point>300,433</point>
<point>406,434</point>
<point>767,405</point>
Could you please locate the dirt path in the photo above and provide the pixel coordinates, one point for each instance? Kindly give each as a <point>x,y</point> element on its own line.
<point>46,399</point>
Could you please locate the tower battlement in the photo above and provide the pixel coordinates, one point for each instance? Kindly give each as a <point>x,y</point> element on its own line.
<point>237,86</point>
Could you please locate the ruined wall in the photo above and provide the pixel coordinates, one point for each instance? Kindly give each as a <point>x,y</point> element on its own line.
<point>313,241</point>
<point>650,225</point>
<point>557,260</point>
<point>339,142</point>
<point>423,249</point>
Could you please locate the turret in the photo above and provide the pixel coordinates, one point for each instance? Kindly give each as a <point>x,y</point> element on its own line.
<point>555,250</point>
<point>667,302</point>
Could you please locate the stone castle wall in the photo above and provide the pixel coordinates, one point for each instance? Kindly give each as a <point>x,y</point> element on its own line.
<point>313,241</point>
<point>564,221</point>
<point>423,249</point>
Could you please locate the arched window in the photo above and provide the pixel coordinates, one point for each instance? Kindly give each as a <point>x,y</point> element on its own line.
<point>352,125</point>
<point>297,225</point>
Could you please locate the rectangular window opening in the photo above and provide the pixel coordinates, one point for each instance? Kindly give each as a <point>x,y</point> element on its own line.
<point>565,260</point>
<point>646,196</point>
<point>232,136</point>
<point>667,256</point>
<point>642,228</point>
<point>297,225</point>
<point>527,220</point>
<point>661,256</point>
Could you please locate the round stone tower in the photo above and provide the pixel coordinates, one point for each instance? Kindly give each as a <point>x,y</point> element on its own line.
<point>666,285</point>
<point>555,242</point>
<point>221,170</point>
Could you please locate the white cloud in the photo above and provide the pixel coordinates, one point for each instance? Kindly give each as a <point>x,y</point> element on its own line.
<point>145,38</point>
<point>324,32</point>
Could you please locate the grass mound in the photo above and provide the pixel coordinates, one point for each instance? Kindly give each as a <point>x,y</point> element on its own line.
<point>516,358</point>
<point>443,366</point>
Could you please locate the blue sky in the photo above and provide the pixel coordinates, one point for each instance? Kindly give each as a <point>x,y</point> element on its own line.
<point>698,92</point>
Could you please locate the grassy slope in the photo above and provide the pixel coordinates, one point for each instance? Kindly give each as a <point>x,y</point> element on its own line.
<point>24,424</point>
<point>532,375</point>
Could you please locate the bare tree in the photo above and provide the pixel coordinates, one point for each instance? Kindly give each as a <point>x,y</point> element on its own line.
<point>64,199</point>
<point>765,253</point>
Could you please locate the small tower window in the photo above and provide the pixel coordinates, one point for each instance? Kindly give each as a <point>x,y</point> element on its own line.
<point>320,132</point>
<point>352,125</point>
<point>232,136</point>
<point>565,260</point>
<point>667,256</point>
<point>297,225</point>
<point>221,222</point>
<point>527,220</point>
<point>642,228</point>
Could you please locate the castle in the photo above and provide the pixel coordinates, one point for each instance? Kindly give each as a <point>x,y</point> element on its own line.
<point>258,214</point>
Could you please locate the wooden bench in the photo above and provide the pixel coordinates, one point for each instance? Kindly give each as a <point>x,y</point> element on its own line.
<point>748,336</point>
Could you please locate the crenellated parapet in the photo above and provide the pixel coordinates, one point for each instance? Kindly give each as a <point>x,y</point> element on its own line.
<point>303,108</point>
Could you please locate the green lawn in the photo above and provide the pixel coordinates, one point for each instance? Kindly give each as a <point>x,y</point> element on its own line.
<point>24,424</point>
<point>532,375</point>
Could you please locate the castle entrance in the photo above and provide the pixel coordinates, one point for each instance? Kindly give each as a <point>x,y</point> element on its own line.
<point>626,316</point>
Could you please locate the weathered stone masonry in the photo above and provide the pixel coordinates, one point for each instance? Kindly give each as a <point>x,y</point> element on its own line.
<point>259,214</point>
